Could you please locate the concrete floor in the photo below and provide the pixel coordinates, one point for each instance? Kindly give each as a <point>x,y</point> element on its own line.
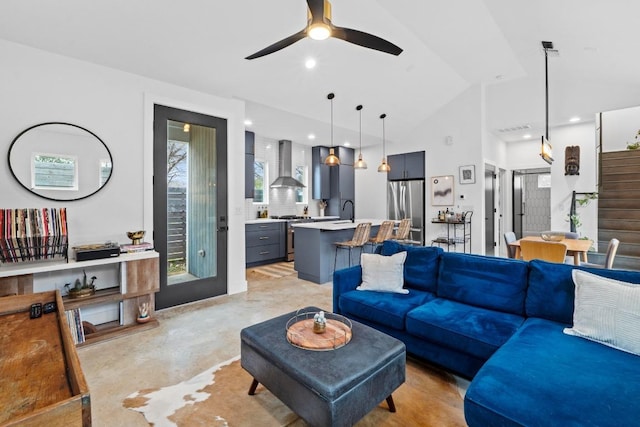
<point>189,340</point>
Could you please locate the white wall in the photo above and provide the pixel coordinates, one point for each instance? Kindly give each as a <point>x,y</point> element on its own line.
<point>38,87</point>
<point>526,155</point>
<point>460,120</point>
<point>619,128</point>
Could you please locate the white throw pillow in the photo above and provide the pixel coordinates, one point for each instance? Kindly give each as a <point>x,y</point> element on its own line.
<point>606,311</point>
<point>383,273</point>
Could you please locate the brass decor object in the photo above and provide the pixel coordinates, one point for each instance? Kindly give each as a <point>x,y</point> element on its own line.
<point>136,236</point>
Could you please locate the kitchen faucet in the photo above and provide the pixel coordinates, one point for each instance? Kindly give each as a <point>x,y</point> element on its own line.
<point>353,209</point>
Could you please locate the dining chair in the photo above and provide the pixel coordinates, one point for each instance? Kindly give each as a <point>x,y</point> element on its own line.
<point>547,251</point>
<point>403,230</point>
<point>510,237</point>
<point>385,232</point>
<point>608,259</point>
<point>360,237</point>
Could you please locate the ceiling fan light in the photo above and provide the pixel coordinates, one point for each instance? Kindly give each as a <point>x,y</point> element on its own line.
<point>360,164</point>
<point>332,159</point>
<point>319,31</point>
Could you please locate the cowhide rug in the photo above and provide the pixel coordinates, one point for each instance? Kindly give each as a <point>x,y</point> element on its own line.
<point>218,397</point>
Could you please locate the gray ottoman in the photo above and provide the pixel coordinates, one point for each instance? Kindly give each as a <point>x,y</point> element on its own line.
<point>325,388</point>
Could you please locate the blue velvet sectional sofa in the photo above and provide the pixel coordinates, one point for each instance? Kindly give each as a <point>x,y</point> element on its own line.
<point>500,323</point>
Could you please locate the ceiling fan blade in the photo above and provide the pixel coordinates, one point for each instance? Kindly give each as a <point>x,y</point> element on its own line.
<point>279,45</point>
<point>316,7</point>
<point>365,40</point>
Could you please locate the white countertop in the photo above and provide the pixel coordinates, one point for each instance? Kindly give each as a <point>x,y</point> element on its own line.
<point>263,220</point>
<point>344,224</point>
<point>313,218</point>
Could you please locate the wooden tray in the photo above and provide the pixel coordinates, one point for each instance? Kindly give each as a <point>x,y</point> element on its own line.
<point>337,332</point>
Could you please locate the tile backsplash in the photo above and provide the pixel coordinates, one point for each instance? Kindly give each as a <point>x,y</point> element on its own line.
<point>281,200</point>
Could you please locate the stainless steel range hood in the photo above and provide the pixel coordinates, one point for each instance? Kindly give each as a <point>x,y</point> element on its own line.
<point>284,179</point>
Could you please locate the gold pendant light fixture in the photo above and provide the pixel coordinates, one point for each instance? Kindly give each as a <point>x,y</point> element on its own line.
<point>332,159</point>
<point>384,166</point>
<point>360,164</point>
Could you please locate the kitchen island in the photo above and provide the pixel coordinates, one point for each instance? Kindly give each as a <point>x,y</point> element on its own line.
<point>315,248</point>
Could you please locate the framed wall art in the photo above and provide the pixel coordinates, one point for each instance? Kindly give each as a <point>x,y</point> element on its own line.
<point>468,174</point>
<point>442,190</point>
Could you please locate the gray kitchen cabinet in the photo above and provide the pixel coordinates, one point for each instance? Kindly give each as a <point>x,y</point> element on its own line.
<point>346,155</point>
<point>265,242</point>
<point>249,159</point>
<point>321,175</point>
<point>406,166</point>
<point>336,184</point>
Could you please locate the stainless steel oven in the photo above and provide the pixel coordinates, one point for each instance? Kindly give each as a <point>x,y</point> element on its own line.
<point>290,233</point>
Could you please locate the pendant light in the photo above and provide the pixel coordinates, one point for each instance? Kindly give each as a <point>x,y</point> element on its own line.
<point>360,164</point>
<point>545,149</point>
<point>332,159</point>
<point>384,166</point>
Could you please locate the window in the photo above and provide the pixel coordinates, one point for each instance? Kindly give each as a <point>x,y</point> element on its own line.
<point>105,171</point>
<point>54,172</point>
<point>544,180</point>
<point>301,175</point>
<point>261,177</point>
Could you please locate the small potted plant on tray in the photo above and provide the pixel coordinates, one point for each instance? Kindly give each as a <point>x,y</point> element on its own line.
<point>82,288</point>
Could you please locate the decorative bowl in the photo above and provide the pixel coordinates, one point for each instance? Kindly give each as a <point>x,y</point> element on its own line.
<point>136,236</point>
<point>552,236</point>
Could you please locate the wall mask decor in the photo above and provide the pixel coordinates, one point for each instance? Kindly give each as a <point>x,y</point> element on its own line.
<point>572,160</point>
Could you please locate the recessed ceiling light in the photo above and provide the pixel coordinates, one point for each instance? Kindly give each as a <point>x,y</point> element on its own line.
<point>268,146</point>
<point>347,144</point>
<point>311,136</point>
<point>310,63</point>
<point>574,119</point>
<point>526,136</point>
<point>247,122</point>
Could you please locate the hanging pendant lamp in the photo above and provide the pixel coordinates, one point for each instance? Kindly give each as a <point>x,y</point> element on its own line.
<point>546,149</point>
<point>332,159</point>
<point>384,166</point>
<point>360,164</point>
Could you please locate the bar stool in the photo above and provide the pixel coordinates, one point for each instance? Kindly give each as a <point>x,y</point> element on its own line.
<point>360,237</point>
<point>403,230</point>
<point>384,233</point>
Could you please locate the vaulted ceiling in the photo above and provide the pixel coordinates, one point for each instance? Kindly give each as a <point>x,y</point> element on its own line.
<point>449,46</point>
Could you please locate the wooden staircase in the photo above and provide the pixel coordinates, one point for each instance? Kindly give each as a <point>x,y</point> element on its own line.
<point>619,205</point>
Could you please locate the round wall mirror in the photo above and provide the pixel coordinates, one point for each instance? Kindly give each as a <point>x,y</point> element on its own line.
<point>60,161</point>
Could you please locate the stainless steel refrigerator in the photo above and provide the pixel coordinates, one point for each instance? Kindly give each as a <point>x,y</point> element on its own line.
<point>405,199</point>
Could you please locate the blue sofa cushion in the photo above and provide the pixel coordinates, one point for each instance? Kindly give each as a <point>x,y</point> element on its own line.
<point>561,380</point>
<point>468,329</point>
<point>384,308</point>
<point>489,282</point>
<point>548,279</point>
<point>421,265</point>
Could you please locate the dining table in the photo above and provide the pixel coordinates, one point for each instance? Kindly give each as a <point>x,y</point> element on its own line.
<point>577,248</point>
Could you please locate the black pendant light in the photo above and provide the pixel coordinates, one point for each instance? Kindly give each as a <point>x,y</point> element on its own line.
<point>332,159</point>
<point>384,166</point>
<point>546,149</point>
<point>360,164</point>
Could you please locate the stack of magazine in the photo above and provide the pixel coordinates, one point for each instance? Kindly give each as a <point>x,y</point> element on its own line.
<point>140,247</point>
<point>74,318</point>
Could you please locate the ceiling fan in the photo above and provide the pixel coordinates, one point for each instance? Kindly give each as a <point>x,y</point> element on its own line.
<point>319,27</point>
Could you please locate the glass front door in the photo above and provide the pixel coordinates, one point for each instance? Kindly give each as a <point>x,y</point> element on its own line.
<point>189,205</point>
